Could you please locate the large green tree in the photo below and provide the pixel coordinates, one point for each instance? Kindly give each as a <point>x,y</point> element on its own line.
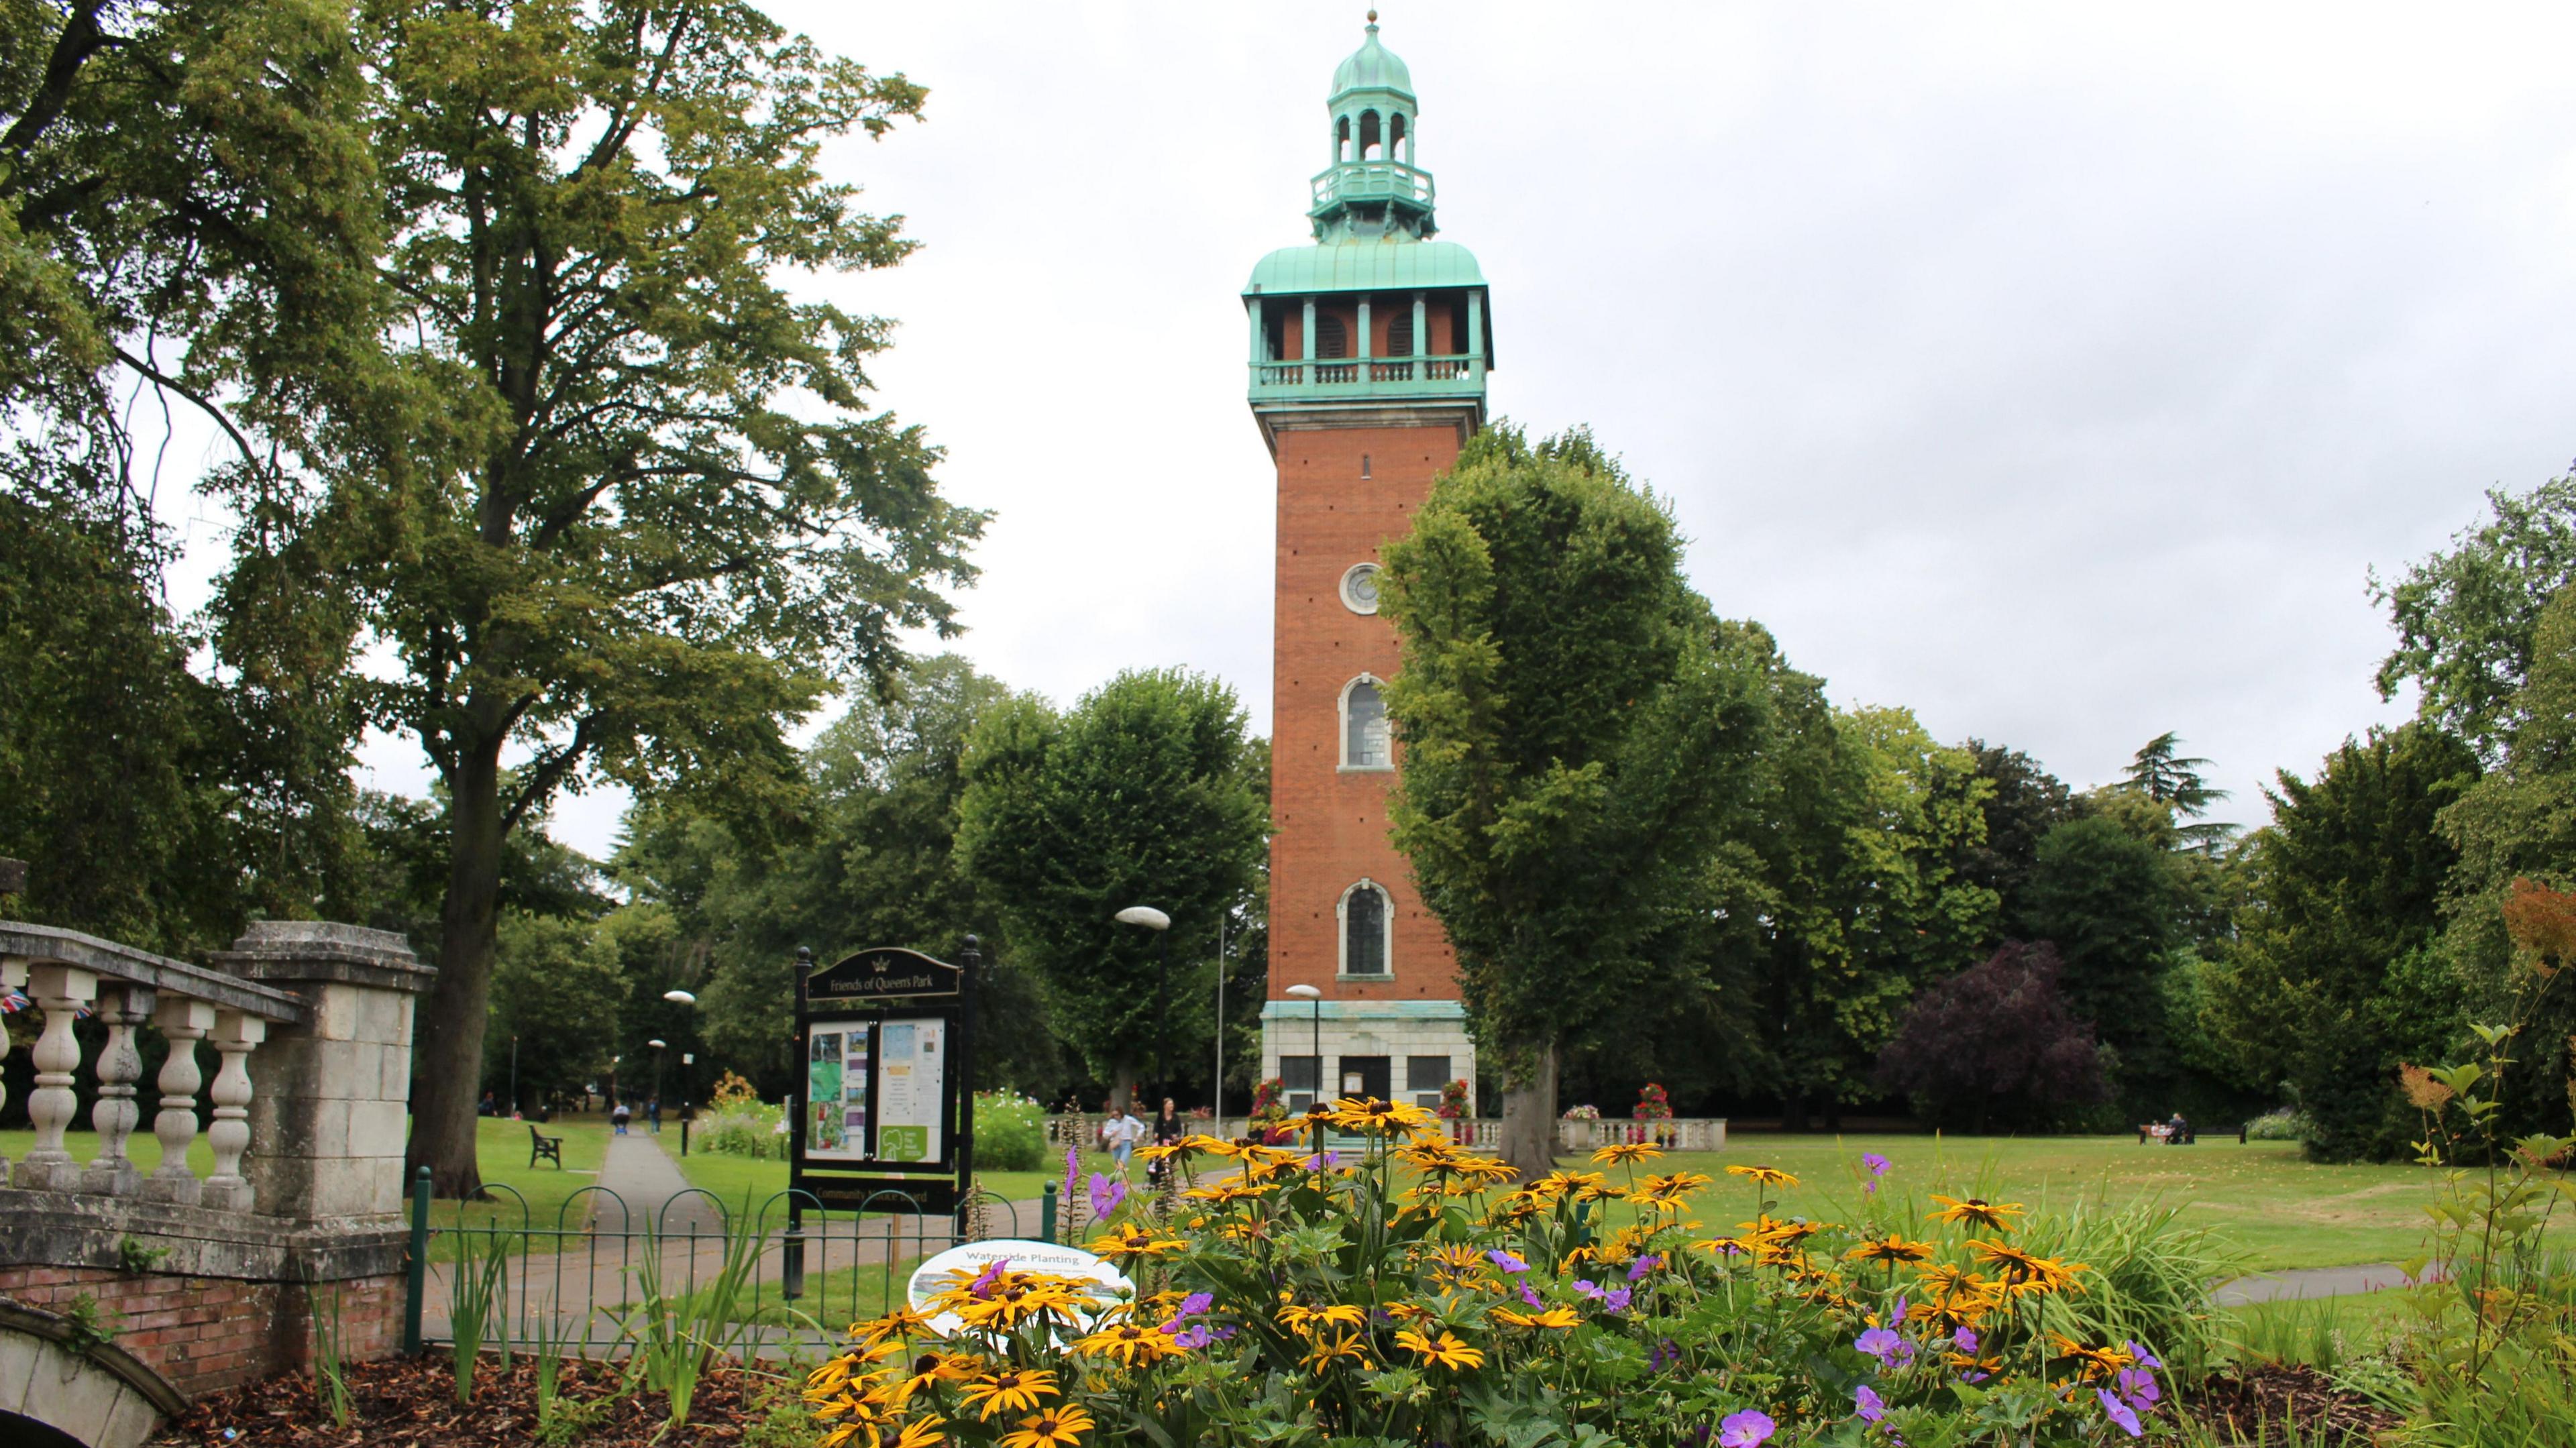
<point>621,505</point>
<point>2331,982</point>
<point>1149,791</point>
<point>2468,618</point>
<point>1572,740</point>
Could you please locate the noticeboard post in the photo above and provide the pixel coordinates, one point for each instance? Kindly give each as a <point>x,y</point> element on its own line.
<point>885,1106</point>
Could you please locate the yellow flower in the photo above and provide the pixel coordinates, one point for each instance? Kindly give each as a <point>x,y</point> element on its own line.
<point>1133,1242</point>
<point>921,1432</point>
<point>829,1378</point>
<point>1458,1256</point>
<point>1447,1350</point>
<point>1322,1352</point>
<point>864,1420</point>
<point>1586,1186</point>
<point>1766,1176</point>
<point>1227,1192</point>
<point>1889,1251</point>
<point>2023,1272</point>
<point>1307,1319</point>
<point>1552,1317</point>
<point>1130,1343</point>
<point>2097,1362</point>
<point>1626,1152</point>
<point>1353,1113</point>
<point>1669,1190</point>
<point>1054,1428</point>
<point>902,1322</point>
<point>1975,1212</point>
<point>1010,1391</point>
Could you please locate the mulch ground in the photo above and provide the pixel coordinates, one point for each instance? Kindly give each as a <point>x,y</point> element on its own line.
<point>411,1403</point>
<point>2257,1406</point>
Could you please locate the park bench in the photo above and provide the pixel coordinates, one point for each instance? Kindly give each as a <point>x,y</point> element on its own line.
<point>542,1147</point>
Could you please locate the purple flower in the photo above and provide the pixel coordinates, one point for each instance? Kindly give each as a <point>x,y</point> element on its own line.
<point>1616,1299</point>
<point>1666,1354</point>
<point>1884,1345</point>
<point>1321,1161</point>
<point>1877,1164</point>
<point>983,1285</point>
<point>1530,1296</point>
<point>1748,1429</point>
<point>1106,1193</point>
<point>2139,1387</point>
<point>2145,1358</point>
<point>1193,1305</point>
<point>1638,1269</point>
<point>2119,1413</point>
<point>1870,1406</point>
<point>1588,1289</point>
<point>1506,1261</point>
<point>1896,1314</point>
<point>1072,1168</point>
<point>1965,1339</point>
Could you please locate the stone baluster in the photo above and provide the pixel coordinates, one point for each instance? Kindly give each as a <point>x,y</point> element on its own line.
<point>63,990</point>
<point>184,1022</point>
<point>236,1034</point>
<point>119,1064</point>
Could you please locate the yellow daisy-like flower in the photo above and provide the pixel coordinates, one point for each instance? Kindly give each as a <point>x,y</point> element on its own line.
<point>1323,1352</point>
<point>1307,1319</point>
<point>922,1432</point>
<point>930,1368</point>
<point>1410,1312</point>
<point>1668,1190</point>
<point>2095,1362</point>
<point>1369,1114</point>
<point>1228,1192</point>
<point>1975,1212</point>
<point>1889,1251</point>
<point>1558,1317</point>
<point>1625,1152</point>
<point>1013,1390</point>
<point>1585,1186</point>
<point>1447,1350</point>
<point>2024,1272</point>
<point>1767,1176</point>
<point>861,1421</point>
<point>1132,1344</point>
<point>1054,1428</point>
<point>1769,1231</point>
<point>1457,1256</point>
<point>1132,1242</point>
<point>831,1376</point>
<point>902,1322</point>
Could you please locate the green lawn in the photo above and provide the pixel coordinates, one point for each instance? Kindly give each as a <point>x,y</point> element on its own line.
<point>501,1149</point>
<point>2262,1198</point>
<point>143,1148</point>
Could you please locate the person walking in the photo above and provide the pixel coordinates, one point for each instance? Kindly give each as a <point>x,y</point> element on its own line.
<point>1167,1130</point>
<point>1122,1133</point>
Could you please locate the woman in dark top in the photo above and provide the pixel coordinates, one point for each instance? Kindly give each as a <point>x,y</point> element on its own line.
<point>1167,1129</point>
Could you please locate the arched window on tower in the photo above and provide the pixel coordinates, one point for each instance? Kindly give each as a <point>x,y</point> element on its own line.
<point>1399,332</point>
<point>1372,140</point>
<point>1332,339</point>
<point>1342,138</point>
<point>1364,734</point>
<point>1366,932</point>
<point>1399,146</point>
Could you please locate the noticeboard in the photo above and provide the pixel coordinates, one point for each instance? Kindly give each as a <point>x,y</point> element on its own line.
<point>883,1105</point>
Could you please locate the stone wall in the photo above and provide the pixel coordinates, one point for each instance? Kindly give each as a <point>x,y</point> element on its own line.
<point>208,1333</point>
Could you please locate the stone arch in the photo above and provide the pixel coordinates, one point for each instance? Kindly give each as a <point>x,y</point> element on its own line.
<point>99,1395</point>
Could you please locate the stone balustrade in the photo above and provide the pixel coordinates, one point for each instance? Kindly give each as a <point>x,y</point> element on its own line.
<point>307,1030</point>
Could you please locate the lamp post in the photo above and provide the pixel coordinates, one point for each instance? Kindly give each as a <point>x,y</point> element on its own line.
<point>688,1059</point>
<point>658,1048</point>
<point>1161,924</point>
<point>514,1078</point>
<point>1309,993</point>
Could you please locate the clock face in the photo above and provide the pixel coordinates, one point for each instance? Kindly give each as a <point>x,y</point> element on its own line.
<point>1359,589</point>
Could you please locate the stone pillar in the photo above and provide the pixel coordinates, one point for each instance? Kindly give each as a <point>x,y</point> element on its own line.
<point>328,1122</point>
<point>1365,350</point>
<point>119,1064</point>
<point>64,991</point>
<point>1306,333</point>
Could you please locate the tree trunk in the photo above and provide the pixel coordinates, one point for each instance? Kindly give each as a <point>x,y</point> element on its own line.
<point>1529,1115</point>
<point>1122,1089</point>
<point>447,1039</point>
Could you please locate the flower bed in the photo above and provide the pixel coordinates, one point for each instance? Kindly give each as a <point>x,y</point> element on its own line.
<point>1409,1294</point>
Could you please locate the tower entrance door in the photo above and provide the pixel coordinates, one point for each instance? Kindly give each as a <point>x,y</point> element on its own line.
<point>1367,1076</point>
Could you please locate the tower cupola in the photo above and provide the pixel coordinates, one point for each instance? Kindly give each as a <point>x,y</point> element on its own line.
<point>1373,188</point>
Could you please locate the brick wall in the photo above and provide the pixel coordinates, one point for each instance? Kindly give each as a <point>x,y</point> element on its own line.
<point>210,1333</point>
<point>1331,824</point>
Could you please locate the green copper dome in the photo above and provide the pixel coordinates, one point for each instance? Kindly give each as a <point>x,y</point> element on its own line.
<point>1372,67</point>
<point>1364,266</point>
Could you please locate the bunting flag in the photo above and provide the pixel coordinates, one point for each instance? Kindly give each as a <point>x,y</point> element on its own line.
<point>13,1000</point>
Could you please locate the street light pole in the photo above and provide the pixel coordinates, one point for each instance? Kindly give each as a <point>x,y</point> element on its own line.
<point>1216,1097</point>
<point>1309,993</point>
<point>658,1048</point>
<point>1161,924</point>
<point>514,1076</point>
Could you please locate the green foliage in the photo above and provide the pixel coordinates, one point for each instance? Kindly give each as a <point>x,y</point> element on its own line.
<point>1148,792</point>
<point>2107,897</point>
<point>1010,1132</point>
<point>2283,1124</point>
<point>2330,983</point>
<point>2021,804</point>
<point>2468,620</point>
<point>749,1129</point>
<point>133,1256</point>
<point>556,992</point>
<point>1574,739</point>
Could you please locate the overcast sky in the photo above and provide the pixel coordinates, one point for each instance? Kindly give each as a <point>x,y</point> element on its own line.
<point>2057,372</point>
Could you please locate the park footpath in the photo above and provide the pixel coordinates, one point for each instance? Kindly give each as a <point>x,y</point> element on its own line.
<point>644,1198</point>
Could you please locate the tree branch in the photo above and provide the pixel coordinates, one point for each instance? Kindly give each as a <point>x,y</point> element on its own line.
<point>250,455</point>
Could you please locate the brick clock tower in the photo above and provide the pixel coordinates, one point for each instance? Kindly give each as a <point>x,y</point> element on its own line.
<point>1369,353</point>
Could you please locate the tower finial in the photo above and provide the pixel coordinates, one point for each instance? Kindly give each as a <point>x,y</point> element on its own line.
<point>1372,20</point>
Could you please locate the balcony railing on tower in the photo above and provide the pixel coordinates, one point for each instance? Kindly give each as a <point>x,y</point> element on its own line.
<point>1373,181</point>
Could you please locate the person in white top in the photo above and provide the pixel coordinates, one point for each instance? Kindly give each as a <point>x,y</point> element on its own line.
<point>1124,1131</point>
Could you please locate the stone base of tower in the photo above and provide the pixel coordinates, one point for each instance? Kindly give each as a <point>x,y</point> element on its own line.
<point>1401,1050</point>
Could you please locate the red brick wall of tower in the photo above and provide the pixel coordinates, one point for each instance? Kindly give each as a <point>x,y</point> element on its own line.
<point>1331,825</point>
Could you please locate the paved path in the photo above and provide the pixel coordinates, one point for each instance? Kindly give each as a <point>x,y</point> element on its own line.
<point>2304,1282</point>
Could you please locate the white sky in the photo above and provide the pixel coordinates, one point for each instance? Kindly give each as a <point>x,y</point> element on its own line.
<point>2056,372</point>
